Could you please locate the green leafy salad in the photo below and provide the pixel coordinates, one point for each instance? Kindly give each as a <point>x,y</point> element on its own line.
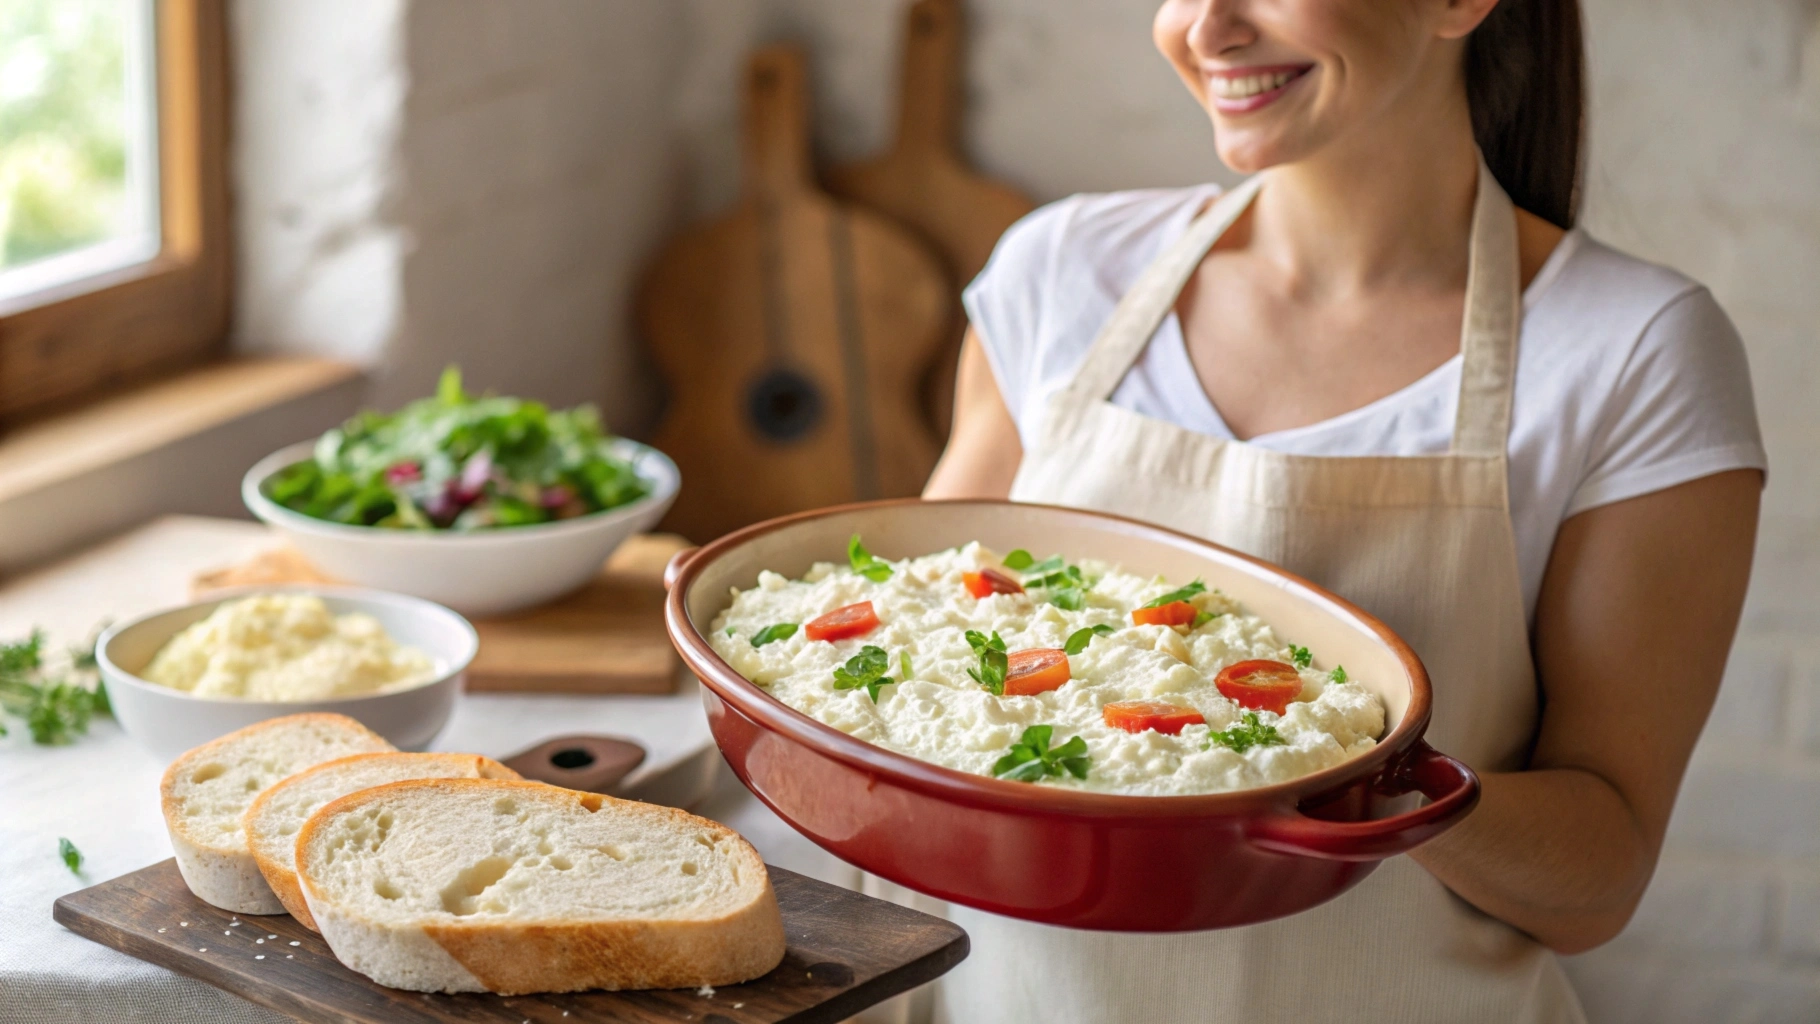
<point>460,462</point>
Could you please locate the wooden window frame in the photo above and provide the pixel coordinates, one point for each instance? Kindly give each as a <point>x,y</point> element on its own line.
<point>79,339</point>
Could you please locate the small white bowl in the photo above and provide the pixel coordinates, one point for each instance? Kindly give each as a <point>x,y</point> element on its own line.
<point>480,573</point>
<point>168,722</point>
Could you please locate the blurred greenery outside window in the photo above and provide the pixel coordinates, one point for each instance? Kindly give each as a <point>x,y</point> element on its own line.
<point>78,149</point>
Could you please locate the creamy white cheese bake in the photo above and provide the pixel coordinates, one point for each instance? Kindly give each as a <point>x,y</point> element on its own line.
<point>940,714</point>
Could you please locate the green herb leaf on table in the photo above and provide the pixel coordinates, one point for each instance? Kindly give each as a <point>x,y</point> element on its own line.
<point>1247,734</point>
<point>1018,560</point>
<point>56,710</point>
<point>1300,656</point>
<point>72,857</point>
<point>1182,594</point>
<point>1079,639</point>
<point>1338,675</point>
<point>864,563</point>
<point>773,633</point>
<point>1032,758</point>
<point>865,670</point>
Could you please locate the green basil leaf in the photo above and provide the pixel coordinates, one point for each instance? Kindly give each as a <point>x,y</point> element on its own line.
<point>980,642</point>
<point>1031,758</point>
<point>1071,599</point>
<point>1201,618</point>
<point>903,664</point>
<point>992,669</point>
<point>1019,560</point>
<point>864,563</point>
<point>1080,638</point>
<point>1300,656</point>
<point>72,857</point>
<point>870,664</point>
<point>1178,595</point>
<point>773,633</point>
<point>1043,568</point>
<point>1338,675</point>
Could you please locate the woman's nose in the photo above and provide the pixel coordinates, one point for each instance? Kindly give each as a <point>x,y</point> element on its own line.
<point>1220,26</point>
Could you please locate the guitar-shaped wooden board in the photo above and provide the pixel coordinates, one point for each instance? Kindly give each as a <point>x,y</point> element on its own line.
<point>923,183</point>
<point>793,334</point>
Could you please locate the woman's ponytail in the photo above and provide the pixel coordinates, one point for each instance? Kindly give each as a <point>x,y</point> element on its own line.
<point>1525,81</point>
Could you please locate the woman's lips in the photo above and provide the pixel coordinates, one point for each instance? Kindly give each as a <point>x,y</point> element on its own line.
<point>1245,89</point>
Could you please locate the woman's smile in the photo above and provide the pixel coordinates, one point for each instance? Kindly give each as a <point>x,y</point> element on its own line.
<point>1241,90</point>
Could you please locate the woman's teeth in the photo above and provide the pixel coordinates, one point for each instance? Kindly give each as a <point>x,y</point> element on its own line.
<point>1250,85</point>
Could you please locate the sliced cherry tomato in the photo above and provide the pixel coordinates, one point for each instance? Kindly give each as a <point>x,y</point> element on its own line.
<point>1260,685</point>
<point>1035,671</point>
<point>1175,613</point>
<point>990,581</point>
<point>841,623</point>
<point>1139,715</point>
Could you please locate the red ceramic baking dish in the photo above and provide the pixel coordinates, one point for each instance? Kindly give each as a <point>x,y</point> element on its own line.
<point>1059,856</point>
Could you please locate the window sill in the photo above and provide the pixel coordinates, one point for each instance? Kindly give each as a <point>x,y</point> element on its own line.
<point>178,444</point>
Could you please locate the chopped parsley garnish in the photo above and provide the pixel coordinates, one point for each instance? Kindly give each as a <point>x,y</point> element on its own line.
<point>1080,638</point>
<point>1019,560</point>
<point>1247,734</point>
<point>1300,656</point>
<point>56,710</point>
<point>773,633</point>
<point>864,563</point>
<point>1338,675</point>
<point>1031,758</point>
<point>72,857</point>
<point>993,663</point>
<point>1178,595</point>
<point>865,670</point>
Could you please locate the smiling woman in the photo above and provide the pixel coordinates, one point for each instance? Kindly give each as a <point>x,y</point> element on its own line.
<point>113,244</point>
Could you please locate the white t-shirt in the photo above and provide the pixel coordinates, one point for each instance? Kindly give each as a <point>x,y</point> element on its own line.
<point>1630,378</point>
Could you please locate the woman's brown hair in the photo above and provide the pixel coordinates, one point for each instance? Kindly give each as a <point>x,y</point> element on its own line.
<point>1525,81</point>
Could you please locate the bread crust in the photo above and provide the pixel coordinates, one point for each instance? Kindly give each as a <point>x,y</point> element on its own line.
<point>281,879</point>
<point>226,875</point>
<point>517,958</point>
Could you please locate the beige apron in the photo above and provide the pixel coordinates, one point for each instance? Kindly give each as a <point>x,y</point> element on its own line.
<point>1425,543</point>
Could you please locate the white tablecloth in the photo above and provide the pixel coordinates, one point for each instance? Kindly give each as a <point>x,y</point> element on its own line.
<point>102,791</point>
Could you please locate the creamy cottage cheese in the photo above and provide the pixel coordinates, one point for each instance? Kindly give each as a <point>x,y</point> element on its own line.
<point>941,715</point>
<point>285,647</point>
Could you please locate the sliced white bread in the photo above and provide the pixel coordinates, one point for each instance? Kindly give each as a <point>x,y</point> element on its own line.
<point>275,818</point>
<point>206,791</point>
<point>468,885</point>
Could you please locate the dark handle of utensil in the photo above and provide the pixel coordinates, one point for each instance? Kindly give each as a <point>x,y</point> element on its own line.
<point>1451,788</point>
<point>675,566</point>
<point>593,764</point>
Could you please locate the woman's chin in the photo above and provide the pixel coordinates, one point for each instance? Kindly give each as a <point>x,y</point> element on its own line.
<point>1247,154</point>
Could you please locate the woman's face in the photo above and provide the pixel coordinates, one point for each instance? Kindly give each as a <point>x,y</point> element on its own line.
<point>1284,78</point>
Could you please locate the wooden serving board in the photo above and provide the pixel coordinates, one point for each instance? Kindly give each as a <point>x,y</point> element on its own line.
<point>792,333</point>
<point>846,952</point>
<point>923,182</point>
<point>607,637</point>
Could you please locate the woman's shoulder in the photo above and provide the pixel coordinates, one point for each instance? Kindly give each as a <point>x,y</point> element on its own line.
<point>1101,232</point>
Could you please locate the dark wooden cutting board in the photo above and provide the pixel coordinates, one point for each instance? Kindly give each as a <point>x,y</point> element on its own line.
<point>846,952</point>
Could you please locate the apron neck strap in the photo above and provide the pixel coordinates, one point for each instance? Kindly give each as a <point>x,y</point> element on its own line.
<point>1488,328</point>
<point>1123,337</point>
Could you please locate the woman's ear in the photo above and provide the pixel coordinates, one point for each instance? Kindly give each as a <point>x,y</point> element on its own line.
<point>1460,17</point>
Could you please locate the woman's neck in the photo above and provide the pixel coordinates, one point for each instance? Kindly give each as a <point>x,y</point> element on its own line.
<point>1390,204</point>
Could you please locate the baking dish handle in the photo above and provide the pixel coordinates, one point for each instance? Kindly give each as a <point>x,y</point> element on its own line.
<point>674,567</point>
<point>1451,788</point>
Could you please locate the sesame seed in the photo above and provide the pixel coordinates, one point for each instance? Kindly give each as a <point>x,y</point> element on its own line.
<point>225,932</point>
<point>234,923</point>
<point>294,942</point>
<point>203,949</point>
<point>271,936</point>
<point>258,942</point>
<point>161,931</point>
<point>185,924</point>
<point>288,956</point>
<point>260,957</point>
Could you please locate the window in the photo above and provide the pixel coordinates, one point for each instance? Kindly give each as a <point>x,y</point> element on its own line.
<point>113,254</point>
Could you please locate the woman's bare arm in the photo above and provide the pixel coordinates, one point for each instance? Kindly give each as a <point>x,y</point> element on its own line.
<point>1633,624</point>
<point>983,451</point>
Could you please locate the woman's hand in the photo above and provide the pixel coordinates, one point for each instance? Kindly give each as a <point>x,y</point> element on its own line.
<point>984,451</point>
<point>1633,624</point>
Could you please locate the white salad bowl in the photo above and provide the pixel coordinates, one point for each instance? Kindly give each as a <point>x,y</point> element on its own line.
<point>481,572</point>
<point>168,722</point>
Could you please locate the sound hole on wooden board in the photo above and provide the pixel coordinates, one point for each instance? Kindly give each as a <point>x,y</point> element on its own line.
<point>784,405</point>
<point>572,758</point>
